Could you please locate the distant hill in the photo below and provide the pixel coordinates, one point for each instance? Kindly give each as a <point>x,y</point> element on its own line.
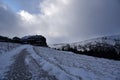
<point>5,39</point>
<point>37,40</point>
<point>105,47</point>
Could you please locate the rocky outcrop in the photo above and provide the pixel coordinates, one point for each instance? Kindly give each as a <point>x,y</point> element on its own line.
<point>37,40</point>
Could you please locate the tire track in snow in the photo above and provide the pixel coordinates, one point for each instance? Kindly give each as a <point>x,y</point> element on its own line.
<point>19,70</point>
<point>55,64</point>
<point>37,71</point>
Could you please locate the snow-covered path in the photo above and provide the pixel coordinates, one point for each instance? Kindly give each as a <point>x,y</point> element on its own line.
<point>36,63</point>
<point>19,70</point>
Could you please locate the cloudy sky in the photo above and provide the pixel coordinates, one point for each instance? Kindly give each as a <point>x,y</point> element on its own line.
<point>60,20</point>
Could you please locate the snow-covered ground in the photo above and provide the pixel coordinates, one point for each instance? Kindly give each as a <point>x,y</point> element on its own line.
<point>49,64</point>
<point>78,67</point>
<point>5,46</point>
<point>7,59</point>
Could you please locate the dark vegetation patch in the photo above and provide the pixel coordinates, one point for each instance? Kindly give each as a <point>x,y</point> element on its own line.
<point>37,40</point>
<point>99,50</point>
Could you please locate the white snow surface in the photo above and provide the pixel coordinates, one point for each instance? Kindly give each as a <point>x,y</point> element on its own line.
<point>7,59</point>
<point>5,47</point>
<point>70,66</point>
<point>65,65</point>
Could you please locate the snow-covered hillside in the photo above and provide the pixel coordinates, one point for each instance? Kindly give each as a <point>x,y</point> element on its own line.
<point>28,62</point>
<point>5,46</point>
<point>105,47</point>
<point>111,40</point>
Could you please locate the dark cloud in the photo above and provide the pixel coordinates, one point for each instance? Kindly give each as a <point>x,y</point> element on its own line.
<point>7,17</point>
<point>94,18</point>
<point>9,21</point>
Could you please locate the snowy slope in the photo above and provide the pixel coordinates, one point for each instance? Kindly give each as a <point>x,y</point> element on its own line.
<point>5,46</point>
<point>85,45</point>
<point>70,66</point>
<point>107,39</point>
<point>49,64</point>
